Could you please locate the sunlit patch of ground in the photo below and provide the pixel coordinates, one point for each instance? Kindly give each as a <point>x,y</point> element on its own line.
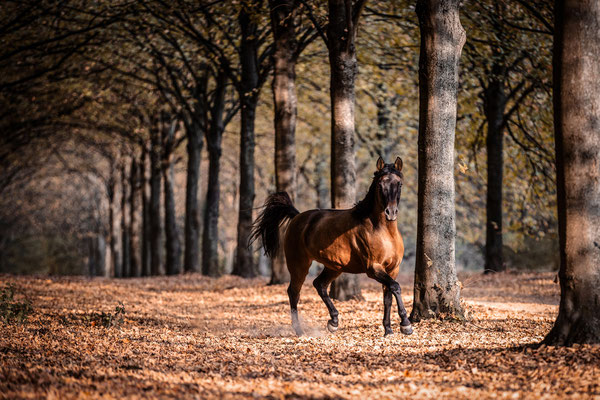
<point>196,337</point>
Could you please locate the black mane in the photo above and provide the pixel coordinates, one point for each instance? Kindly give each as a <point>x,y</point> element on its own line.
<point>364,207</point>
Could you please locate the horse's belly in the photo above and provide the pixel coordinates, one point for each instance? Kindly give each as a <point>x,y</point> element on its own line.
<point>334,258</point>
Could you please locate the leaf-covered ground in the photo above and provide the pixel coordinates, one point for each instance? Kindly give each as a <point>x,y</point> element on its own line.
<point>196,337</point>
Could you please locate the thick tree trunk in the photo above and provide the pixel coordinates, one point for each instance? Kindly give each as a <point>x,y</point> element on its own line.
<point>286,104</point>
<point>322,189</point>
<point>146,232</point>
<point>115,258</point>
<point>191,256</point>
<point>214,135</point>
<point>344,68</point>
<point>134,223</point>
<point>437,289</point>
<point>173,246</point>
<point>495,104</point>
<point>125,261</point>
<point>244,264</point>
<point>156,234</point>
<point>577,135</point>
<point>341,35</point>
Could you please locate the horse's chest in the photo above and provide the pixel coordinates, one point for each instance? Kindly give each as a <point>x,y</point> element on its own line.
<point>386,253</point>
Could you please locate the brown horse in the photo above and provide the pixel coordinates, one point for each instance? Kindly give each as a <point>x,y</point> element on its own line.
<point>363,239</point>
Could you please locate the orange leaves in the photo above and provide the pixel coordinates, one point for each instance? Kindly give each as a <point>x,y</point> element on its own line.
<point>196,337</point>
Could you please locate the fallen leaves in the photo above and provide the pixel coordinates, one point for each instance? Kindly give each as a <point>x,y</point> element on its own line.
<point>192,336</point>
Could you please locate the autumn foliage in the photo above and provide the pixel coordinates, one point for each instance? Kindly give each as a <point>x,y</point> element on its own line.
<point>193,336</point>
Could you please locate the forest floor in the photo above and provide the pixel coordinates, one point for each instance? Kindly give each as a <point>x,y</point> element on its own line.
<point>197,337</point>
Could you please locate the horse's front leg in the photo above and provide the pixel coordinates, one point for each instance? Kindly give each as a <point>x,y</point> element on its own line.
<point>387,307</point>
<point>379,273</point>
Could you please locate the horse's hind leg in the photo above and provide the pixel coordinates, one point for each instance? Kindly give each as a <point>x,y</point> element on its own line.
<point>298,267</point>
<point>321,283</point>
<point>294,295</point>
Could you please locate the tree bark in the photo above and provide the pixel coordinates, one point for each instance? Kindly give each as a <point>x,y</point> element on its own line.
<point>214,135</point>
<point>156,238</point>
<point>321,188</point>
<point>341,35</point>
<point>244,265</point>
<point>577,141</point>
<point>495,104</point>
<point>115,258</point>
<point>192,210</point>
<point>146,232</point>
<point>437,289</point>
<point>173,246</point>
<point>125,262</point>
<point>285,104</point>
<point>135,253</point>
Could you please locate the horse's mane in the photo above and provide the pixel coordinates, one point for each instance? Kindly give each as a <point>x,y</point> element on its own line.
<point>364,207</point>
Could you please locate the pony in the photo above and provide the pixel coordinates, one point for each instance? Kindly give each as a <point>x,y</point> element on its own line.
<point>362,239</point>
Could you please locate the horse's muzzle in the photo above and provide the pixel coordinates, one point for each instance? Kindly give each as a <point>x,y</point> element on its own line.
<point>391,213</point>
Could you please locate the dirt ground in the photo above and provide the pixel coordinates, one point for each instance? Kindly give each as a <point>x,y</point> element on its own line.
<point>196,337</point>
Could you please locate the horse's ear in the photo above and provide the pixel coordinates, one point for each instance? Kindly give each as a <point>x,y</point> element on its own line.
<point>380,163</point>
<point>398,164</point>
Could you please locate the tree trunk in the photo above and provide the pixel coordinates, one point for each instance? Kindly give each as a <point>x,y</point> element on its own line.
<point>286,103</point>
<point>437,289</point>
<point>125,262</point>
<point>495,104</point>
<point>191,256</point>
<point>101,255</point>
<point>244,265</point>
<point>321,189</point>
<point>92,255</point>
<point>134,223</point>
<point>577,135</point>
<point>341,36</point>
<point>214,135</point>
<point>115,259</point>
<point>173,246</point>
<point>146,232</point>
<point>156,245</point>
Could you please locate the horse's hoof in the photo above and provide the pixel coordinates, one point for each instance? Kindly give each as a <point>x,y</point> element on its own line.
<point>298,329</point>
<point>331,328</point>
<point>407,330</point>
<point>388,332</point>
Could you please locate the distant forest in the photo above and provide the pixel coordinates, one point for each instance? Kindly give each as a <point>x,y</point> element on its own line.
<point>139,138</point>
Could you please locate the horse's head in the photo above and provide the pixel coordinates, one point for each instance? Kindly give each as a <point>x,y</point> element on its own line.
<point>389,185</point>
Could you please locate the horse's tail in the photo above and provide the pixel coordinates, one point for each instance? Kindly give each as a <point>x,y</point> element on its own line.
<point>277,209</point>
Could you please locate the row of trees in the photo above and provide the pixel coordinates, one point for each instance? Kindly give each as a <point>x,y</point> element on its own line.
<point>158,59</point>
<point>137,81</point>
<point>172,73</point>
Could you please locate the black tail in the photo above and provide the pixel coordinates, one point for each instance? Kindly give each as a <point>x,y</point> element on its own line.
<point>277,209</point>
